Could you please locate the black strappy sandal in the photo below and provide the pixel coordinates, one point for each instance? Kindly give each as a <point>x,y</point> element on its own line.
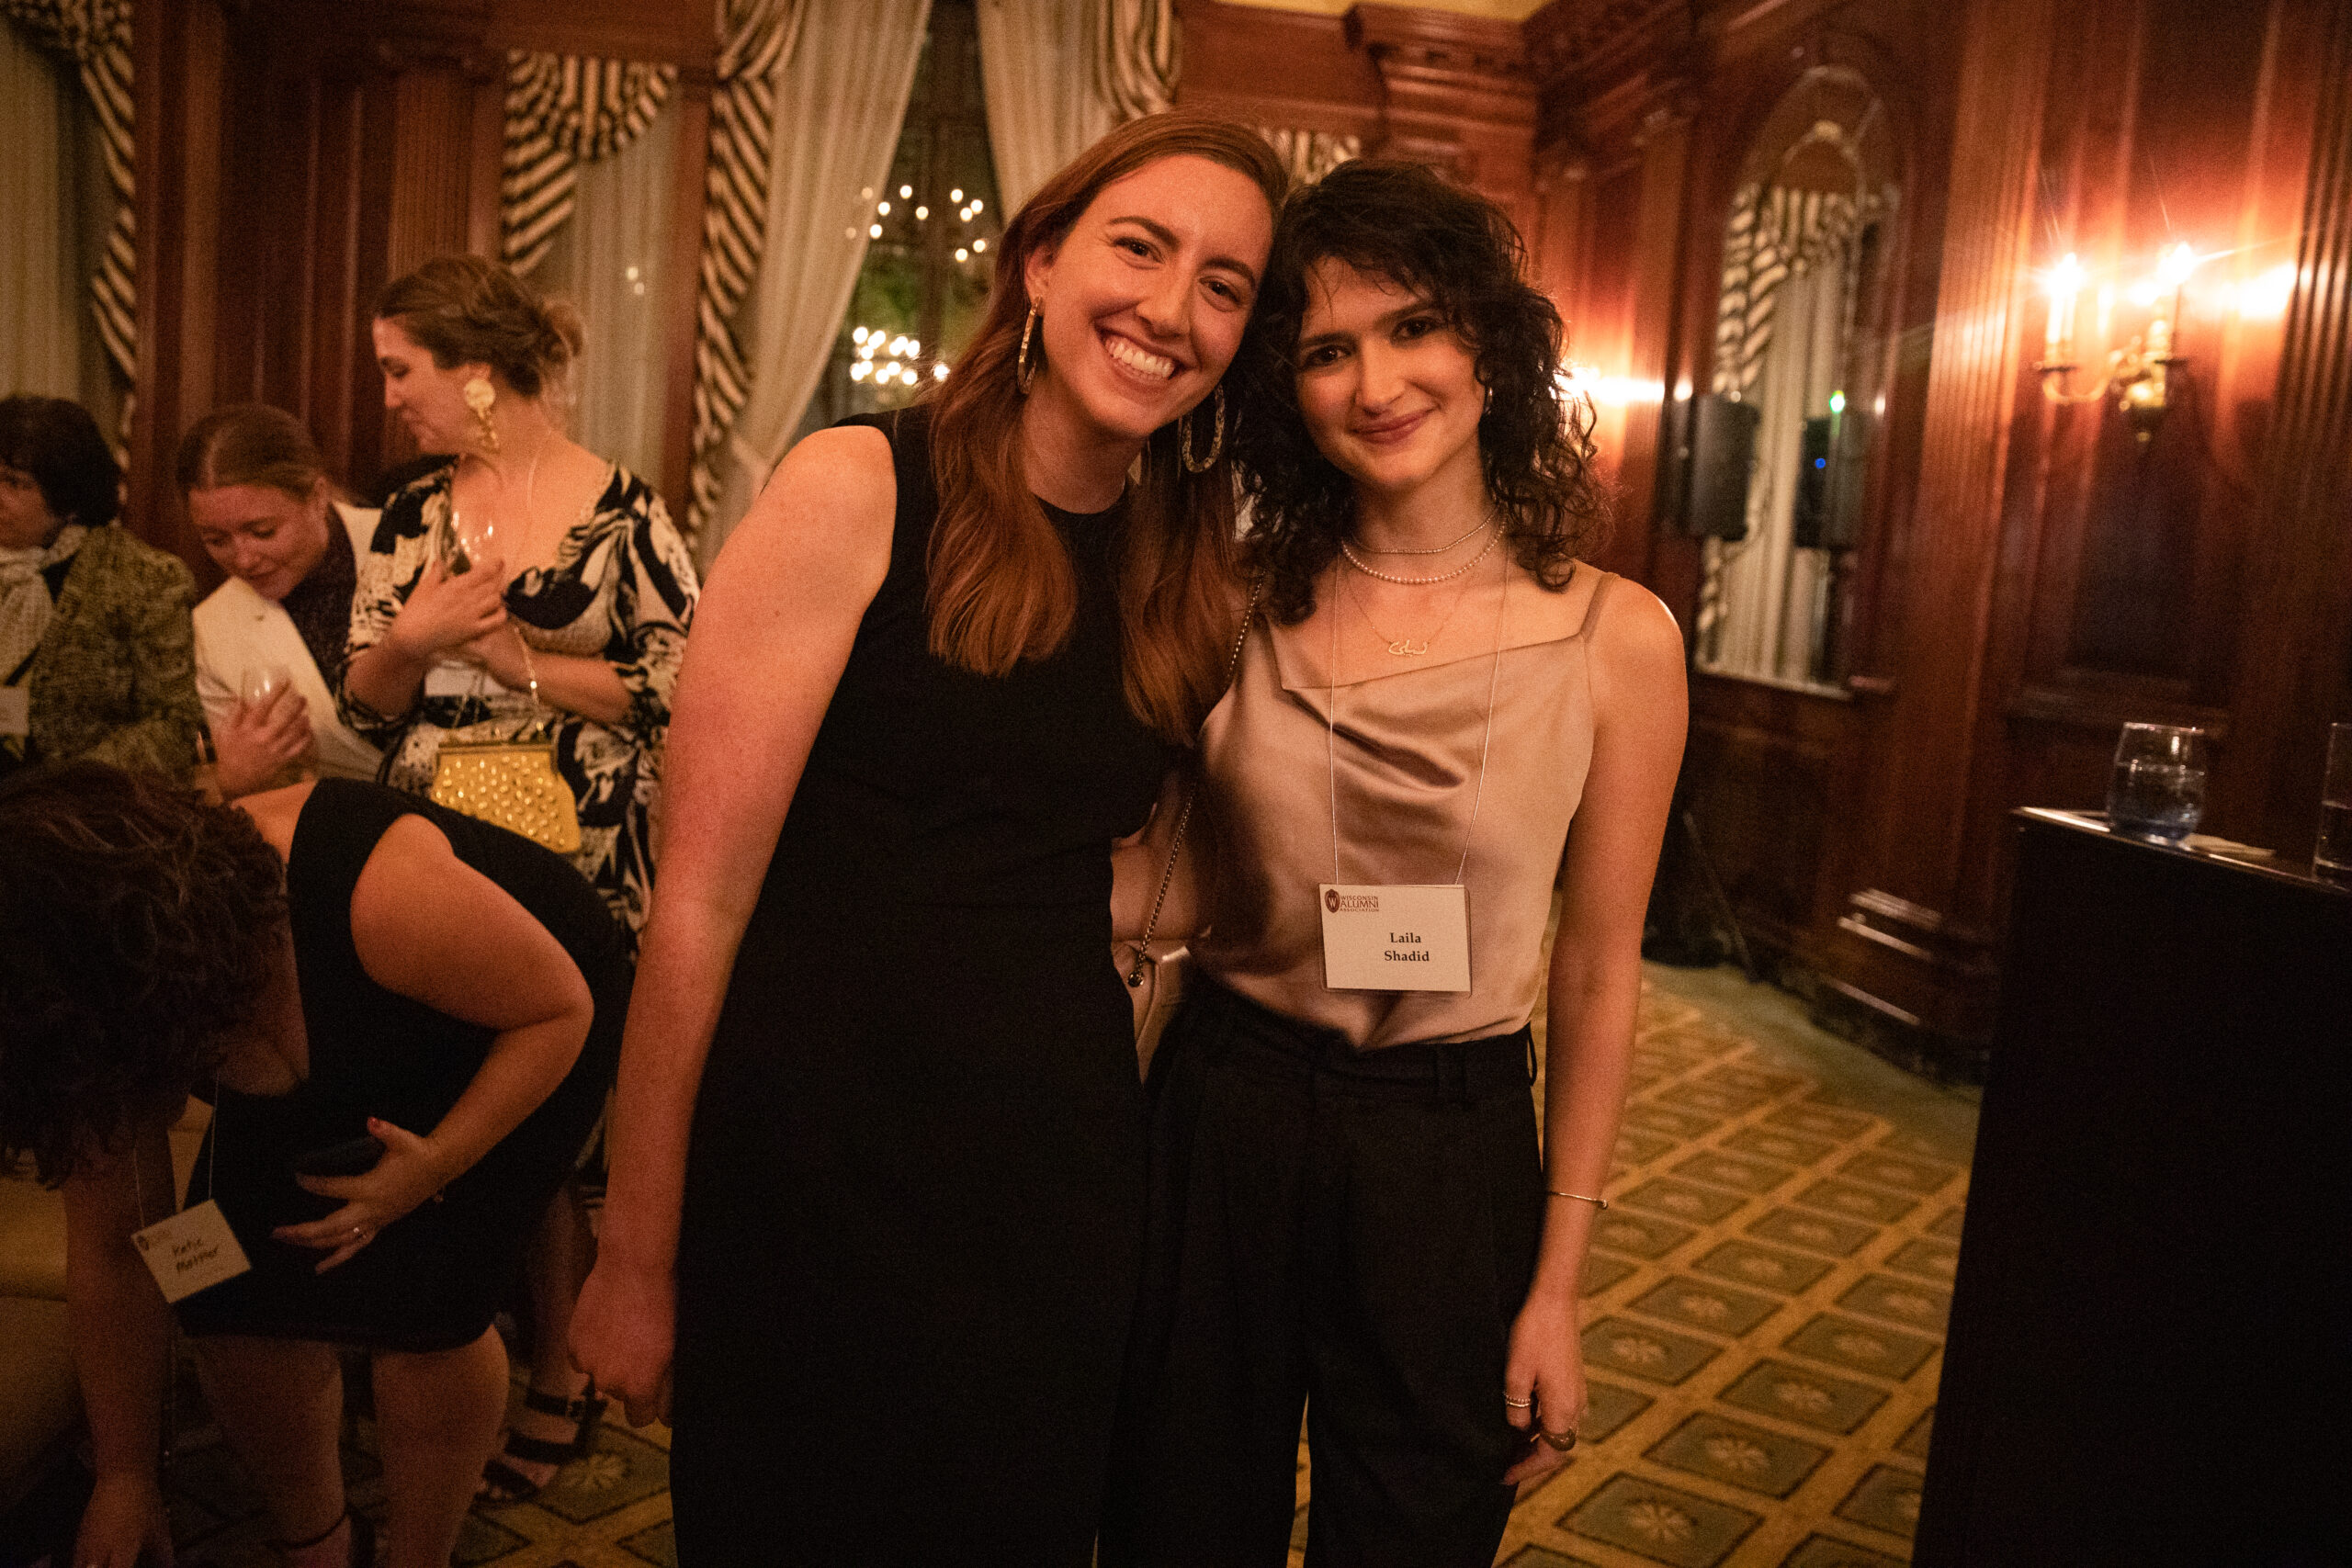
<point>362,1554</point>
<point>502,1485</point>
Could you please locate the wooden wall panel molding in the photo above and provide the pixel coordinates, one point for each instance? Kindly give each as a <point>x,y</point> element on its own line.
<point>1917,831</point>
<point>1279,69</point>
<point>2294,669</point>
<point>179,59</point>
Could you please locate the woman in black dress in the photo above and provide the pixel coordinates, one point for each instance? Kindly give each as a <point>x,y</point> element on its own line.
<point>328,963</point>
<point>877,1172</point>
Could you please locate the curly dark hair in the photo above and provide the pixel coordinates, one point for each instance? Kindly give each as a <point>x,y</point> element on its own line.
<point>137,929</point>
<point>1403,223</point>
<point>57,442</point>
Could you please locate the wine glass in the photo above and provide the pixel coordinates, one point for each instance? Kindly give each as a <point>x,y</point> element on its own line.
<point>261,684</point>
<point>469,539</point>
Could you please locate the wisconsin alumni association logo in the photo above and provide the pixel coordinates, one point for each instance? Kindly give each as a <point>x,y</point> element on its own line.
<point>1335,901</point>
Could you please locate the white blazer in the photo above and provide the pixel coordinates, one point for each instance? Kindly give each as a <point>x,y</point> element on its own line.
<point>237,628</point>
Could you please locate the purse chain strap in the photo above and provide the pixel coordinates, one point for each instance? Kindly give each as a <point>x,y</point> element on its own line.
<point>1185,820</point>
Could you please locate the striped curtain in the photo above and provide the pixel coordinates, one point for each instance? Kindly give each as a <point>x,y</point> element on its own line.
<point>1310,155</point>
<point>95,35</point>
<point>563,110</point>
<point>755,38</point>
<point>1136,59</point>
<point>1775,233</point>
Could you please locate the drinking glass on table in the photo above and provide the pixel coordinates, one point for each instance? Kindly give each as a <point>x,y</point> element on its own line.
<point>2331,857</point>
<point>2157,790</point>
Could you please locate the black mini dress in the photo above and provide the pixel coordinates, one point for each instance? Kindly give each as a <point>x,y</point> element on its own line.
<point>914,1192</point>
<point>432,1280</point>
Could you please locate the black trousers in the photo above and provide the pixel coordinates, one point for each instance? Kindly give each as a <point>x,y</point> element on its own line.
<point>1352,1233</point>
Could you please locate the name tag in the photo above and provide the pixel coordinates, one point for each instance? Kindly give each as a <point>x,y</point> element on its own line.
<point>1395,939</point>
<point>194,1250</point>
<point>462,681</point>
<point>15,710</point>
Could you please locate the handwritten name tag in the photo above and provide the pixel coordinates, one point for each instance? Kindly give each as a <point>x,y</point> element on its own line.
<point>446,679</point>
<point>15,710</point>
<point>1394,937</point>
<point>194,1250</point>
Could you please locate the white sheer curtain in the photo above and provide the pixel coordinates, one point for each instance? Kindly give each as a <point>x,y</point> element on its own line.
<point>609,259</point>
<point>1037,72</point>
<point>1771,590</point>
<point>40,331</point>
<point>840,97</point>
<point>1058,73</point>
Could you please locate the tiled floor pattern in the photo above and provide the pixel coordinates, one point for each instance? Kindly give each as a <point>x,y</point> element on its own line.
<point>1765,1314</point>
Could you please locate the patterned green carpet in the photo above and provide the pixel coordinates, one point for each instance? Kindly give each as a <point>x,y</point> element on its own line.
<point>1765,1312</point>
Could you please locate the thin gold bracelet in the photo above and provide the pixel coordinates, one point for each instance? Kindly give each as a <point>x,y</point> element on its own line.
<point>1601,1203</point>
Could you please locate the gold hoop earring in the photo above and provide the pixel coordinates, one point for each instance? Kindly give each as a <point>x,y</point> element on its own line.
<point>1217,441</point>
<point>1022,371</point>
<point>480,395</point>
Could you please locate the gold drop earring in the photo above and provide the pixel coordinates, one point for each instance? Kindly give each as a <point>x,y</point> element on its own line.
<point>480,395</point>
<point>1022,371</point>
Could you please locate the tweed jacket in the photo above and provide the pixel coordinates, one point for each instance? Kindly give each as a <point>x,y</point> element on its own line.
<point>113,678</point>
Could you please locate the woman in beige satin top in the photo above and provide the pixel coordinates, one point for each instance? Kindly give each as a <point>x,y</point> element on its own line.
<point>1349,1206</point>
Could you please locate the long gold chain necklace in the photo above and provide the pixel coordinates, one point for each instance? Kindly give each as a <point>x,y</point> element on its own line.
<point>1357,561</point>
<point>1404,646</point>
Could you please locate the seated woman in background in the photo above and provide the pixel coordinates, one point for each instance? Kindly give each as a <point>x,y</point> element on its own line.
<point>270,641</point>
<point>1444,712</point>
<point>95,640</point>
<point>329,963</point>
<point>551,569</point>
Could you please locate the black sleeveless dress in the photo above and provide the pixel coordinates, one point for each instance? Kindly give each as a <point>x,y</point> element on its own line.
<point>914,1192</point>
<point>432,1280</point>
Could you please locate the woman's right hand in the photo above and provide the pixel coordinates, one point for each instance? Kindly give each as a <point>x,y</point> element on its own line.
<point>259,741</point>
<point>125,1518</point>
<point>444,611</point>
<point>623,1332</point>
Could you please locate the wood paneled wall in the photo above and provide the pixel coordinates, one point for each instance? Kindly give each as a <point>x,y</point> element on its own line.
<point>2030,577</point>
<point>308,154</point>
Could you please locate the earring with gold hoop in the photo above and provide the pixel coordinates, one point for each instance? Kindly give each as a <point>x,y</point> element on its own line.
<point>1217,440</point>
<point>480,395</point>
<point>1022,371</point>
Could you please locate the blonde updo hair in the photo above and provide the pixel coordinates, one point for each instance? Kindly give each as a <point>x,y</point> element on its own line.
<point>251,444</point>
<point>467,310</point>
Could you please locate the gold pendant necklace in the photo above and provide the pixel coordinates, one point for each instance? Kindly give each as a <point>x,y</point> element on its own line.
<point>1404,647</point>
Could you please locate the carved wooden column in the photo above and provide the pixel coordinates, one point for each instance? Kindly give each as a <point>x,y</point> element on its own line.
<point>1454,92</point>
<point>2294,665</point>
<point>1913,959</point>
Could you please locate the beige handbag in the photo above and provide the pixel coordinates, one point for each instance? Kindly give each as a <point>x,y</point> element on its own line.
<point>1155,971</point>
<point>511,783</point>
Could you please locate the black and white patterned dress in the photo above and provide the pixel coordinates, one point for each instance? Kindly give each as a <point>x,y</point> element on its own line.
<point>622,589</point>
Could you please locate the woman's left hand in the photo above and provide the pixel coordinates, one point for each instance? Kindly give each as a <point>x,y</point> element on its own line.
<point>1546,1369</point>
<point>409,1173</point>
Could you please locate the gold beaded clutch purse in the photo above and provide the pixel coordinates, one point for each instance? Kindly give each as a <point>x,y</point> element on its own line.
<point>511,783</point>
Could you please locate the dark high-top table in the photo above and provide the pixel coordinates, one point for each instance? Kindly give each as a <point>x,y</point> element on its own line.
<point>2151,1328</point>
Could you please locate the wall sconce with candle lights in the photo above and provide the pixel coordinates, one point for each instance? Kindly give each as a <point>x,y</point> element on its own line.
<point>2139,374</point>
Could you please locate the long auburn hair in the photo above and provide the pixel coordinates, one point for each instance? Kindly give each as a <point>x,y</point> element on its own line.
<point>1002,585</point>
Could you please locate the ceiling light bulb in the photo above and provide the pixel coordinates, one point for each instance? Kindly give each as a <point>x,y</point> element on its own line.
<point>906,190</point>
<point>955,196</point>
<point>874,230</point>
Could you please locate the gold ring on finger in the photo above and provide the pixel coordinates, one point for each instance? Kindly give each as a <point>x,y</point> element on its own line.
<point>1518,1403</point>
<point>1559,1442</point>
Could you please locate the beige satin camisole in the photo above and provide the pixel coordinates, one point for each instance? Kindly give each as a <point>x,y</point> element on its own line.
<point>1406,766</point>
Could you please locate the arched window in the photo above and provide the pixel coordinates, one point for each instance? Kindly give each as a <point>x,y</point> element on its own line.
<point>1801,339</point>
